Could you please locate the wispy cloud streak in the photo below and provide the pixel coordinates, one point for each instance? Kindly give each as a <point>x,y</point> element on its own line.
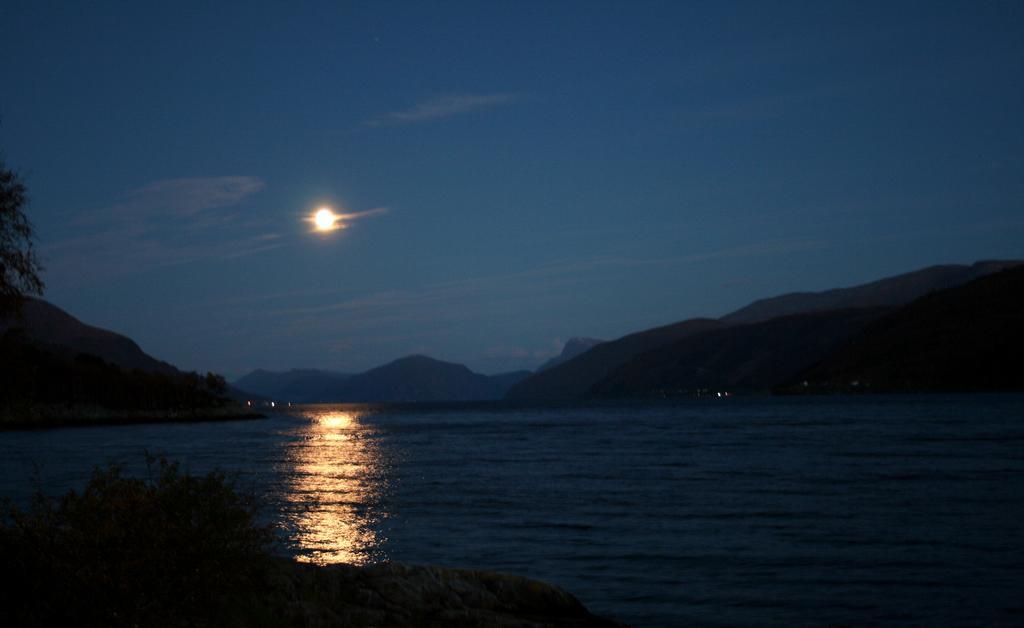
<point>376,211</point>
<point>525,283</point>
<point>166,222</point>
<point>431,311</point>
<point>441,107</point>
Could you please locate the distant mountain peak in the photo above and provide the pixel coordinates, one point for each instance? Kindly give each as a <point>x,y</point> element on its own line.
<point>572,348</point>
<point>578,344</point>
<point>421,378</point>
<point>418,360</point>
<point>573,378</point>
<point>412,378</point>
<point>413,358</point>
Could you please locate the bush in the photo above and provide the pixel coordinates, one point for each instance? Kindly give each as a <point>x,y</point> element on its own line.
<point>173,549</point>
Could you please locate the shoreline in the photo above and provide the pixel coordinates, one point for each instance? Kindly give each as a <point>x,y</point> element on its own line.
<point>55,417</point>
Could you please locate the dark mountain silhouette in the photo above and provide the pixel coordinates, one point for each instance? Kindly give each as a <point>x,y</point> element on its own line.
<point>504,381</point>
<point>758,356</point>
<point>412,379</point>
<point>968,338</point>
<point>56,370</point>
<point>891,291</point>
<point>296,385</point>
<point>418,378</point>
<point>63,334</point>
<point>571,349</point>
<point>574,378</point>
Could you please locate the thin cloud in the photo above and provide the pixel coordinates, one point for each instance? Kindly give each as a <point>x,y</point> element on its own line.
<point>376,211</point>
<point>308,316</point>
<point>168,222</point>
<point>515,352</point>
<point>775,105</point>
<point>555,275</point>
<point>441,107</point>
<point>177,197</point>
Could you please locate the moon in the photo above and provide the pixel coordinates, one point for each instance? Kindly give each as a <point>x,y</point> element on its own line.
<point>326,220</point>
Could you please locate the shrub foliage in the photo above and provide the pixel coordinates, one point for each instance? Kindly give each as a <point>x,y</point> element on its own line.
<point>172,549</point>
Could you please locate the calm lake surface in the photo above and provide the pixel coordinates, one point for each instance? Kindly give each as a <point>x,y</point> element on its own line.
<point>790,511</point>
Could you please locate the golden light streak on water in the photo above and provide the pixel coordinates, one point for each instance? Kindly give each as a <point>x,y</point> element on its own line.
<point>336,480</point>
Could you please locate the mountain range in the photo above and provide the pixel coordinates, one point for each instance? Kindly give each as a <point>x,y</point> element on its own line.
<point>758,347</point>
<point>887,292</point>
<point>419,378</point>
<point>758,356</point>
<point>414,378</point>
<point>574,378</point>
<point>948,327</point>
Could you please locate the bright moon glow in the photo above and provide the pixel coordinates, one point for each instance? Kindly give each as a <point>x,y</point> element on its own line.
<point>325,220</point>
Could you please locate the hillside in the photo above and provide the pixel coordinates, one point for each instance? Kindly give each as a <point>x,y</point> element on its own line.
<point>968,338</point>
<point>888,292</point>
<point>574,378</point>
<point>419,378</point>
<point>503,381</point>
<point>757,356</point>
<point>572,348</point>
<point>49,325</point>
<point>56,370</point>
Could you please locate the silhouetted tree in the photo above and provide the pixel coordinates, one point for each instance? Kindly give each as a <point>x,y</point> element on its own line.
<point>19,267</point>
<point>216,384</point>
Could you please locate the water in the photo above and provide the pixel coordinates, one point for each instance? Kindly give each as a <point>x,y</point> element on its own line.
<point>788,511</point>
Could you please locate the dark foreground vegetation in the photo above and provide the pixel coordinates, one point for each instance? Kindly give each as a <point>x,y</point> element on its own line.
<point>173,549</point>
<point>128,551</point>
<point>41,386</point>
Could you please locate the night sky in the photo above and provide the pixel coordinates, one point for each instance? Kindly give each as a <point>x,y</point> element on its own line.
<point>530,171</point>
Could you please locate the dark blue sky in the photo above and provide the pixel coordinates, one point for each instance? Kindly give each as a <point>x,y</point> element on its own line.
<point>548,169</point>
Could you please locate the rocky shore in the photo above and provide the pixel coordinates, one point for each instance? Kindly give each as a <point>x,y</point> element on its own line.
<point>397,594</point>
